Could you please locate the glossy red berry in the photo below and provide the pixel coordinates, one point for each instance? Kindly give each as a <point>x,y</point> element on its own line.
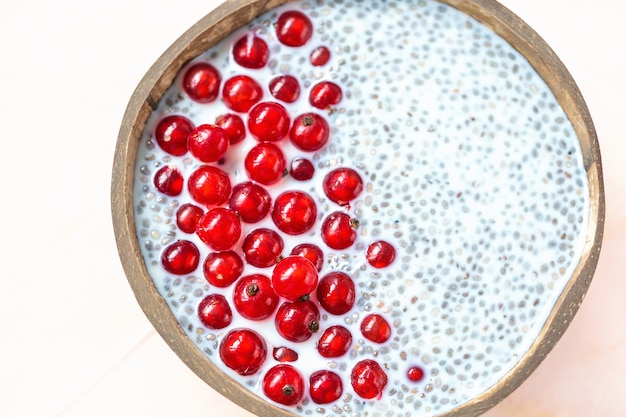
<point>187,217</point>
<point>294,212</point>
<point>297,321</point>
<point>368,379</point>
<point>202,82</point>
<point>265,163</point>
<point>262,247</point>
<point>171,134</point>
<point>251,201</point>
<point>336,292</point>
<point>180,258</point>
<point>221,269</point>
<point>241,92</point>
<point>283,384</point>
<point>214,311</point>
<point>293,28</point>
<point>415,374</point>
<point>169,181</point>
<point>380,254</point>
<point>301,169</point>
<point>325,387</point>
<point>251,52</point>
<point>294,277</point>
<point>325,94</point>
<point>310,251</point>
<point>209,185</point>
<point>254,298</point>
<point>208,143</point>
<point>268,122</point>
<point>334,342</point>
<point>339,230</point>
<point>284,354</point>
<point>243,351</point>
<point>309,132</point>
<point>285,88</point>
<point>320,56</point>
<point>219,228</point>
<point>375,327</point>
<point>234,127</point>
<point>342,185</point>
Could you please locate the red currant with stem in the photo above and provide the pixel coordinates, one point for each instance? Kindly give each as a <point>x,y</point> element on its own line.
<point>297,321</point>
<point>219,228</point>
<point>285,88</point>
<point>251,201</point>
<point>268,122</point>
<point>293,28</point>
<point>181,257</point>
<point>187,217</point>
<point>209,185</point>
<point>262,247</point>
<point>251,52</point>
<point>309,132</point>
<point>171,134</point>
<point>201,82</point>
<point>214,311</point>
<point>294,277</point>
<point>375,327</point>
<point>415,373</point>
<point>254,297</point>
<point>265,163</point>
<point>301,169</point>
<point>241,92</point>
<point>221,269</point>
<point>294,212</point>
<point>325,94</point>
<point>380,254</point>
<point>310,251</point>
<point>334,342</point>
<point>234,127</point>
<point>283,384</point>
<point>208,143</point>
<point>338,230</point>
<point>325,387</point>
<point>243,351</point>
<point>284,354</point>
<point>336,292</point>
<point>169,181</point>
<point>320,56</point>
<point>368,379</point>
<point>342,185</point>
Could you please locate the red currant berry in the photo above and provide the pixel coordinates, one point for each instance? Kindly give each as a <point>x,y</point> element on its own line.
<point>234,127</point>
<point>338,230</point>
<point>294,28</point>
<point>243,351</point>
<point>294,277</point>
<point>297,321</point>
<point>283,384</point>
<point>254,297</point>
<point>342,185</point>
<point>312,252</point>
<point>251,201</point>
<point>180,258</point>
<point>334,342</point>
<point>209,185</point>
<point>325,387</point>
<point>380,254</point>
<point>374,327</point>
<point>171,134</point>
<point>221,269</point>
<point>320,56</point>
<point>187,217</point>
<point>251,52</point>
<point>310,132</point>
<point>284,354</point>
<point>262,247</point>
<point>301,169</point>
<point>241,92</point>
<point>219,228</point>
<point>169,181</point>
<point>368,379</point>
<point>336,292</point>
<point>415,374</point>
<point>208,143</point>
<point>285,88</point>
<point>202,82</point>
<point>214,311</point>
<point>324,95</point>
<point>268,122</point>
<point>265,163</point>
<point>294,212</point>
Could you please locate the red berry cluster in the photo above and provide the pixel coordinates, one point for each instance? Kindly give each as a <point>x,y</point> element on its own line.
<point>221,212</point>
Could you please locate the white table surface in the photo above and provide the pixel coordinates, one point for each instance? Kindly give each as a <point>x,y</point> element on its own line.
<point>75,342</point>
